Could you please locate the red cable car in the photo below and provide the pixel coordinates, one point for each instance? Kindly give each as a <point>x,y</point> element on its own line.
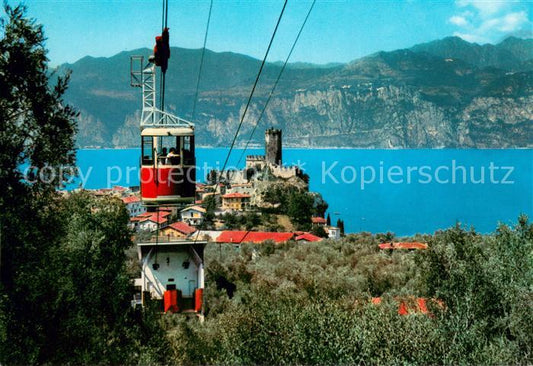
<point>168,165</point>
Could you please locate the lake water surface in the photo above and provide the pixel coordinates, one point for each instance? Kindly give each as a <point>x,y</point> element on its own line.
<point>403,191</point>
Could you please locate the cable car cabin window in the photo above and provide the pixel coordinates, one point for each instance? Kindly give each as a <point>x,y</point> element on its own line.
<point>168,150</point>
<point>147,150</point>
<point>188,150</point>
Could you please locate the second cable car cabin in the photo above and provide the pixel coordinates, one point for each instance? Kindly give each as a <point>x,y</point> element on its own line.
<point>168,165</point>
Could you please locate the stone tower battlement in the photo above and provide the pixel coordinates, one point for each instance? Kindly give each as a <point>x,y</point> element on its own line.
<point>273,146</point>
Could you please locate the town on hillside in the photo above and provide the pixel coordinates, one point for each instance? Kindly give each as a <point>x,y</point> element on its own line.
<point>265,201</point>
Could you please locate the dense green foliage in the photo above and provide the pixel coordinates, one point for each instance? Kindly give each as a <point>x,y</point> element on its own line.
<point>64,286</point>
<point>64,289</point>
<point>319,230</point>
<point>210,205</point>
<point>299,204</point>
<point>246,221</point>
<point>340,225</point>
<point>300,209</point>
<point>79,292</point>
<point>35,129</point>
<point>486,283</point>
<point>310,303</point>
<point>70,301</point>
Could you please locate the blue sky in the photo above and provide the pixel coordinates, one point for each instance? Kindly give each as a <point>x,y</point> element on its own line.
<point>337,30</point>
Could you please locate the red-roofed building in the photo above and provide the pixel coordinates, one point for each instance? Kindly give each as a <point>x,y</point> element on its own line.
<point>236,201</point>
<point>257,237</point>
<point>193,215</point>
<point>173,210</point>
<point>134,222</point>
<point>412,305</point>
<point>232,237</point>
<point>308,237</point>
<point>161,214</point>
<point>318,220</point>
<point>177,230</point>
<point>134,205</point>
<point>148,221</point>
<point>131,199</point>
<point>262,236</point>
<point>403,246</point>
<point>156,218</point>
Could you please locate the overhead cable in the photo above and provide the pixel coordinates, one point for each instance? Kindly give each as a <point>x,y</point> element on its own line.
<point>276,83</point>
<point>253,90</point>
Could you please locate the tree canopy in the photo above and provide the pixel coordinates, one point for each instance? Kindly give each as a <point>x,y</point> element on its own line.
<point>312,303</point>
<point>36,129</point>
<point>64,286</point>
<point>64,291</point>
<point>37,126</point>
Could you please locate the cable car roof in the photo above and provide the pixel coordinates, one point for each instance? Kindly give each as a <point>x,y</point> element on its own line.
<point>168,131</point>
<point>166,242</point>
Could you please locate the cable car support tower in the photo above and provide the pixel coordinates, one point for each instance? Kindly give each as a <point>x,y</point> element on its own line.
<point>168,178</point>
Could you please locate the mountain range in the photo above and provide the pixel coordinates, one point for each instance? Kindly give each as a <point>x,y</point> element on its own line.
<point>446,93</point>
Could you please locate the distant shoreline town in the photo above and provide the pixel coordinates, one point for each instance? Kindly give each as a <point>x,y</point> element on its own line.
<point>265,201</point>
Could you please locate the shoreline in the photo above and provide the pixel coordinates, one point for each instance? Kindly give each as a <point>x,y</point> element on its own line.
<point>330,148</point>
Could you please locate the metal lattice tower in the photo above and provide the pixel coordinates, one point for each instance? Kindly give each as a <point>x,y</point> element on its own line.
<point>145,77</point>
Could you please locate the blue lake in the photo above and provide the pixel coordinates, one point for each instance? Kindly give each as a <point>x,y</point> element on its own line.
<point>403,191</point>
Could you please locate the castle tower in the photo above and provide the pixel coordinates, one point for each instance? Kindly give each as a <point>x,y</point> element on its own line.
<point>273,146</point>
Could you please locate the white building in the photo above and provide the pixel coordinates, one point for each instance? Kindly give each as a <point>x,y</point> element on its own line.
<point>193,215</point>
<point>209,235</point>
<point>150,223</point>
<point>134,205</point>
<point>244,188</point>
<point>172,272</point>
<point>333,232</point>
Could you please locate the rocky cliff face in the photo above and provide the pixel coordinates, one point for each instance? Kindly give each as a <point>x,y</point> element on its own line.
<point>384,117</point>
<point>422,97</point>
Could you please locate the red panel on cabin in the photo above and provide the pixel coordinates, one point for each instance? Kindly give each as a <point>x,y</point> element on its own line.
<point>165,182</point>
<point>170,299</point>
<point>198,299</point>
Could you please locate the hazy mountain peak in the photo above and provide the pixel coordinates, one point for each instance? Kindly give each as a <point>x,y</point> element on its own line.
<point>508,55</point>
<point>447,92</point>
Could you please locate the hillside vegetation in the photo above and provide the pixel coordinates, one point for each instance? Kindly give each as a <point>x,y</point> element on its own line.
<point>311,303</point>
<point>65,291</point>
<point>64,288</point>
